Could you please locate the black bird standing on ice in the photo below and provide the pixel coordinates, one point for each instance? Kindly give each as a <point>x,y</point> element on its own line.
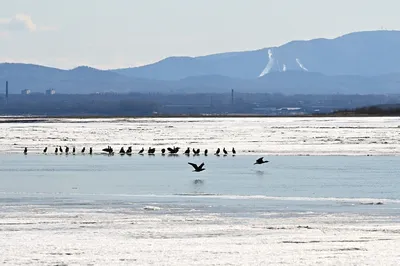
<point>108,150</point>
<point>45,150</point>
<point>129,150</point>
<point>187,152</point>
<point>233,151</point>
<point>163,151</point>
<point>56,150</point>
<point>90,151</point>
<point>141,151</point>
<point>205,152</point>
<point>174,150</point>
<point>25,150</point>
<point>60,149</point>
<point>225,152</point>
<point>151,151</point>
<point>197,168</point>
<point>260,161</point>
<point>73,150</point>
<point>218,151</point>
<point>122,151</point>
<point>83,150</point>
<point>66,149</point>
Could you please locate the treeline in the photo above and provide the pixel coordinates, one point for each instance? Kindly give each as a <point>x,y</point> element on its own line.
<point>392,110</point>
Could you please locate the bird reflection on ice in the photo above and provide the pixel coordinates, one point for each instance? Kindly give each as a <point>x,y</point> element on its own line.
<point>198,182</point>
<point>259,173</point>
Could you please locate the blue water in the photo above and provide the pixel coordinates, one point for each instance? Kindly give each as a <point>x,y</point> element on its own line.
<point>228,185</point>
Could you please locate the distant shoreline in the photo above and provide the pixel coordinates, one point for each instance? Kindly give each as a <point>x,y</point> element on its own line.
<point>32,119</point>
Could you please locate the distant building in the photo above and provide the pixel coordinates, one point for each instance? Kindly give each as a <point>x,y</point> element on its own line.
<point>50,92</point>
<point>26,92</point>
<point>6,92</point>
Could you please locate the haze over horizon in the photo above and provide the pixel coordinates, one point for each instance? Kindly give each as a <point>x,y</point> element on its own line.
<point>127,33</point>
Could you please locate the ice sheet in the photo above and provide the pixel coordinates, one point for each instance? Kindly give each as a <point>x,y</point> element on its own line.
<point>37,235</point>
<point>269,136</point>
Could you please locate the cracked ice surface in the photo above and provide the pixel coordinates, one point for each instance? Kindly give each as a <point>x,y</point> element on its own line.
<point>36,235</point>
<point>269,136</point>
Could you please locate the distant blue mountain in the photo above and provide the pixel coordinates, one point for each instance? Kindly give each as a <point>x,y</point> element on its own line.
<point>361,53</point>
<point>363,62</point>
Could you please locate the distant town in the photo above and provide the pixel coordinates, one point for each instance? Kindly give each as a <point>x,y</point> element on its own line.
<point>49,103</point>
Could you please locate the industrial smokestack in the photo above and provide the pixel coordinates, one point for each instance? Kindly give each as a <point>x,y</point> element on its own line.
<point>6,91</point>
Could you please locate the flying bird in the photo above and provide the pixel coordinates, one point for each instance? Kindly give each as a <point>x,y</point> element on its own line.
<point>197,168</point>
<point>260,161</point>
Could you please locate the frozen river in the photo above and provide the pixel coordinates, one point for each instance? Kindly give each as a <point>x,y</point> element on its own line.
<point>269,136</point>
<point>153,210</point>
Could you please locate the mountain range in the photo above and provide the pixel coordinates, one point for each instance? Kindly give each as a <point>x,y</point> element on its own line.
<point>360,62</point>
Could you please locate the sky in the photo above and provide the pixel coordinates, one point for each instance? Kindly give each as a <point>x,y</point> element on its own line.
<point>125,33</point>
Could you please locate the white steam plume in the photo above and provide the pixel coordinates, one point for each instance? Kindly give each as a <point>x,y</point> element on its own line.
<point>270,64</point>
<point>301,65</point>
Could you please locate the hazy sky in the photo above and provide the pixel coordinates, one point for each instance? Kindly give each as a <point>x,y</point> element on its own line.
<point>122,33</point>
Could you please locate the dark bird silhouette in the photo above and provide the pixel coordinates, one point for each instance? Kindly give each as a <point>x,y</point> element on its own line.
<point>109,150</point>
<point>73,150</point>
<point>233,151</point>
<point>90,151</point>
<point>60,149</point>
<point>56,150</point>
<point>122,151</point>
<point>187,152</point>
<point>173,150</point>
<point>260,161</point>
<point>162,151</point>
<point>66,149</point>
<point>196,152</point>
<point>129,150</point>
<point>224,150</point>
<point>205,152</point>
<point>45,150</point>
<point>25,150</point>
<point>141,151</point>
<point>197,168</point>
<point>218,151</point>
<point>83,150</point>
<point>151,150</point>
